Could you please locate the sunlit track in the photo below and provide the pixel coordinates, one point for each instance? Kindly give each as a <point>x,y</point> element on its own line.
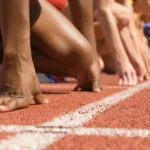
<point>75,119</point>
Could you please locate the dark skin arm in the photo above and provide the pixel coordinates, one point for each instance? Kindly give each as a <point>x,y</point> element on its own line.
<point>84,23</point>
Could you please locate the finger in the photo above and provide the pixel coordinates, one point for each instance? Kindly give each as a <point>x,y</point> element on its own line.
<point>141,77</point>
<point>130,79</point>
<point>39,99</point>
<point>134,77</point>
<point>15,104</point>
<point>120,81</point>
<point>1,100</point>
<point>77,88</point>
<point>147,68</point>
<point>149,71</point>
<point>4,99</point>
<point>147,77</point>
<point>96,86</point>
<point>125,80</point>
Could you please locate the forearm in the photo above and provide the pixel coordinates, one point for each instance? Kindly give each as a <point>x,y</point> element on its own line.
<point>131,25</point>
<point>109,27</point>
<point>129,45</point>
<point>82,15</point>
<point>134,34</point>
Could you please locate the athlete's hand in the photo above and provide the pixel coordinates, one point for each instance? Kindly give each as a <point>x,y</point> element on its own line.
<point>127,74</point>
<point>90,79</point>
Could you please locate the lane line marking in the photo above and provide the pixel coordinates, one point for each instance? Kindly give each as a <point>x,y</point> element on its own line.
<point>122,132</point>
<point>85,113</point>
<point>72,119</point>
<point>111,132</point>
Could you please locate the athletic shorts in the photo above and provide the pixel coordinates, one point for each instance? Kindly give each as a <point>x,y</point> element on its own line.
<point>59,4</point>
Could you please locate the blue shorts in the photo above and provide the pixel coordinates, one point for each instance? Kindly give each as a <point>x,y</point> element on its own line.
<point>146,28</point>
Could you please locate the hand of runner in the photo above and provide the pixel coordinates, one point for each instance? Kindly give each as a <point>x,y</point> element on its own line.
<point>90,79</point>
<point>127,74</point>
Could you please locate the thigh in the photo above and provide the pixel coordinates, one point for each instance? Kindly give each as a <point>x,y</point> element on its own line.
<point>52,32</point>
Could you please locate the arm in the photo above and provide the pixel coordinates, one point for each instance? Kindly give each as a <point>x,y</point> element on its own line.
<point>109,27</point>
<point>111,33</point>
<point>82,15</point>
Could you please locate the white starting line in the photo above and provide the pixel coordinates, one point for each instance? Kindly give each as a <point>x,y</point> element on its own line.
<point>122,132</point>
<point>72,123</point>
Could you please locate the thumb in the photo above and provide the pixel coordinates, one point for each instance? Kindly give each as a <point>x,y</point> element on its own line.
<point>39,99</point>
<point>96,86</point>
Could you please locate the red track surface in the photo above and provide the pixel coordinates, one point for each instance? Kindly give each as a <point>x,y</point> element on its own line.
<point>100,143</point>
<point>134,112</point>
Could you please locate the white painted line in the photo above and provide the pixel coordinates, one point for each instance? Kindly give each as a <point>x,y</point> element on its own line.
<point>85,113</point>
<point>73,119</point>
<point>122,132</point>
<point>19,128</point>
<point>115,132</point>
<point>24,141</point>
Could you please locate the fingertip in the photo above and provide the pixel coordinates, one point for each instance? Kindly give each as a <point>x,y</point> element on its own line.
<point>96,90</point>
<point>40,100</point>
<point>147,77</point>
<point>3,108</point>
<point>46,101</point>
<point>120,82</point>
<point>141,78</point>
<point>76,88</point>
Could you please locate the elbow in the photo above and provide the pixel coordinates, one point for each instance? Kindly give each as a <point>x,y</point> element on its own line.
<point>102,14</point>
<point>123,17</point>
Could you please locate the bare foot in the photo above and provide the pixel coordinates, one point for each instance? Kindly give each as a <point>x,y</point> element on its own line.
<point>126,73</point>
<point>90,79</point>
<point>18,86</point>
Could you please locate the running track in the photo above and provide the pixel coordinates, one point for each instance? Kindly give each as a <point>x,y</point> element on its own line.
<point>118,118</point>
